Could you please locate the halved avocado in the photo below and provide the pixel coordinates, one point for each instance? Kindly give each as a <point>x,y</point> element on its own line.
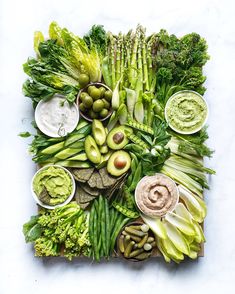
<point>98,132</point>
<point>117,138</point>
<point>92,150</point>
<point>119,163</point>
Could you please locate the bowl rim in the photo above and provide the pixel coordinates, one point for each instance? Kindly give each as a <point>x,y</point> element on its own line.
<point>177,201</point>
<point>51,134</point>
<point>78,102</point>
<point>186,132</point>
<point>39,202</point>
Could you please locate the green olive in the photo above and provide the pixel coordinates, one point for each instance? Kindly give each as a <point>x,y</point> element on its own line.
<point>102,91</point>
<point>108,95</point>
<point>98,105</point>
<point>83,95</point>
<point>87,101</point>
<point>90,89</point>
<point>95,93</point>
<point>92,114</point>
<point>83,80</point>
<point>82,107</point>
<point>106,104</point>
<point>104,112</point>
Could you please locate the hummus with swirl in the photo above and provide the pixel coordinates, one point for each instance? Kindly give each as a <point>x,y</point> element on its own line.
<point>156,195</point>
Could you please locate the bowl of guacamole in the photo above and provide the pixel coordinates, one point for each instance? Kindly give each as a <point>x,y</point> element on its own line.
<point>186,112</point>
<point>53,186</point>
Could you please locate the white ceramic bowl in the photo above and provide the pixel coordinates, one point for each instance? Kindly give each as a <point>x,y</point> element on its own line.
<point>186,132</point>
<point>59,118</point>
<point>38,201</point>
<point>167,210</point>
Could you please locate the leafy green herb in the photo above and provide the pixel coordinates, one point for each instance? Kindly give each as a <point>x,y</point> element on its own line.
<point>32,230</point>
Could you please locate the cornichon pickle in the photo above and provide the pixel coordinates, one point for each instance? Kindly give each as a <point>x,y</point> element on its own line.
<point>143,241</point>
<point>128,249</point>
<point>136,252</point>
<point>134,232</point>
<point>133,237</point>
<point>121,243</point>
<point>143,256</point>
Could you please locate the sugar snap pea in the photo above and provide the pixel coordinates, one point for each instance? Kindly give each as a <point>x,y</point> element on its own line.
<point>136,178</point>
<point>140,127</point>
<point>125,211</point>
<point>137,140</point>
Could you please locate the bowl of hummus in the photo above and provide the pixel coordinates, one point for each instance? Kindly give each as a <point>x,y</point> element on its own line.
<point>156,195</point>
<point>186,112</point>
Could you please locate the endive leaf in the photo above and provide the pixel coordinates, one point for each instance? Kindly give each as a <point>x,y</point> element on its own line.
<point>182,211</point>
<point>199,237</point>
<point>156,225</point>
<point>196,209</point>
<point>171,250</point>
<point>177,238</point>
<point>162,250</point>
<point>181,223</point>
<point>193,254</point>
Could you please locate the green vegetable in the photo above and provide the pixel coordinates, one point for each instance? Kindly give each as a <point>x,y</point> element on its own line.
<point>125,211</point>
<point>32,230</point>
<point>140,127</point>
<point>66,227</point>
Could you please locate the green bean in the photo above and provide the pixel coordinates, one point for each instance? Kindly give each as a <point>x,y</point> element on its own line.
<point>125,211</point>
<point>140,127</point>
<point>96,251</point>
<point>91,224</point>
<point>135,232</point>
<point>137,140</point>
<point>107,229</point>
<point>103,223</point>
<point>136,178</point>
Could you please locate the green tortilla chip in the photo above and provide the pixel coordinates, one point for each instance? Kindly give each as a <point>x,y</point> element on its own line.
<point>82,174</point>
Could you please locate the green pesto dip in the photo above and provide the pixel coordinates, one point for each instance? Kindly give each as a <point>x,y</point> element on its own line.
<point>186,112</point>
<point>52,185</point>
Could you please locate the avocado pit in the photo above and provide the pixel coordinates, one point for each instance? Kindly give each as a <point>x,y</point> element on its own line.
<point>120,162</point>
<point>118,137</point>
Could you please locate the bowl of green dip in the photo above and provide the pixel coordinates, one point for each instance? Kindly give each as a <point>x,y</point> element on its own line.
<point>186,112</point>
<point>53,186</point>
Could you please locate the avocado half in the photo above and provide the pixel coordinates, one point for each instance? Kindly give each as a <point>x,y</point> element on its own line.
<point>119,163</point>
<point>117,138</point>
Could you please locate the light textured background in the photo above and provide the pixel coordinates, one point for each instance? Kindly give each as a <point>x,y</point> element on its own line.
<point>20,272</point>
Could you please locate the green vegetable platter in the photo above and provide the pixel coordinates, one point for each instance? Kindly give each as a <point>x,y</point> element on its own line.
<point>119,142</point>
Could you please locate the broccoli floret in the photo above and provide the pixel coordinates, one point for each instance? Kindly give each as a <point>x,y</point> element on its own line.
<point>46,247</point>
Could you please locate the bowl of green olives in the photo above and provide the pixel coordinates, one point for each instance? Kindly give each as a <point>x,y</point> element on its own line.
<point>94,102</point>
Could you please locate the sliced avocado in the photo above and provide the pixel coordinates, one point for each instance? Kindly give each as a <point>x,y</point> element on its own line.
<point>119,163</point>
<point>98,132</point>
<point>104,160</point>
<point>104,149</point>
<point>92,150</point>
<point>117,138</point>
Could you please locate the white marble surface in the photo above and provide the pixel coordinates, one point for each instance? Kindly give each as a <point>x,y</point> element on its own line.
<point>20,272</point>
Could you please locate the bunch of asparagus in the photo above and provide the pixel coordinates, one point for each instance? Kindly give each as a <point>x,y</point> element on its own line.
<point>129,68</point>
